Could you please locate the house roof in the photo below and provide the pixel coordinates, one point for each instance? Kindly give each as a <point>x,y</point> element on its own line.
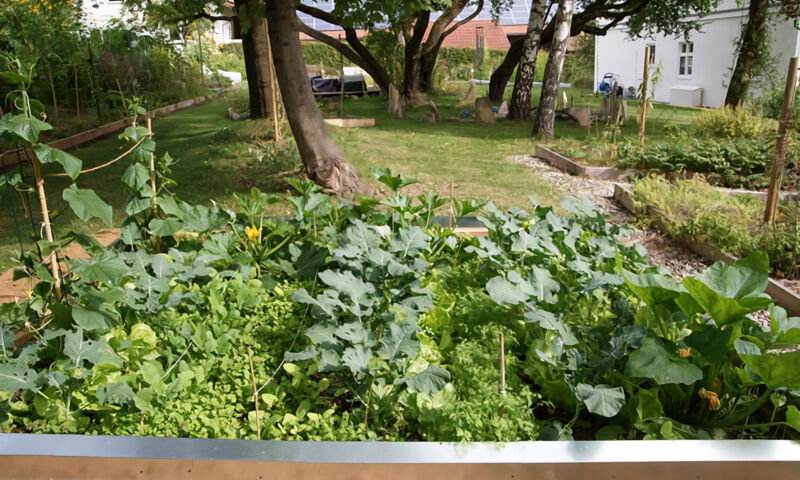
<point>494,38</point>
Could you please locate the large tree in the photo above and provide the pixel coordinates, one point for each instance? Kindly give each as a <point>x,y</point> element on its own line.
<point>753,54</point>
<point>324,162</point>
<point>642,17</point>
<point>545,119</point>
<point>521,95</point>
<point>253,23</point>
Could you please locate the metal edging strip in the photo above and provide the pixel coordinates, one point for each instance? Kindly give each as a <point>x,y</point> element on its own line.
<point>633,451</point>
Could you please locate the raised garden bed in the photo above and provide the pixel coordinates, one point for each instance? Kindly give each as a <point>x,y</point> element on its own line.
<point>372,322</point>
<point>574,168</point>
<point>783,296</point>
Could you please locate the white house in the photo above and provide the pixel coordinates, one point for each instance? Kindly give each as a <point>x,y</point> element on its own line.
<point>693,71</point>
<point>101,13</point>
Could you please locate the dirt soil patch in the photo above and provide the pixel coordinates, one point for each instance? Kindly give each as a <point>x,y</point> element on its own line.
<point>16,290</point>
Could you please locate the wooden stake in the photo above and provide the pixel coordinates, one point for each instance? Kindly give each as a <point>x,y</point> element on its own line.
<point>645,105</point>
<point>502,363</point>
<point>276,128</point>
<point>779,161</point>
<point>48,231</point>
<point>77,92</point>
<point>153,204</point>
<point>255,393</point>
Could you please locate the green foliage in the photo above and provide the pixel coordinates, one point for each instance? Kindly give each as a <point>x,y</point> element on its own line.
<point>770,103</point>
<point>578,65</point>
<point>695,209</point>
<point>729,123</point>
<point>459,63</point>
<point>326,57</point>
<point>739,162</point>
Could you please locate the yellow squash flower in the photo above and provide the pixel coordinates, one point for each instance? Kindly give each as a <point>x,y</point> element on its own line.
<point>684,352</point>
<point>252,233</point>
<point>714,402</point>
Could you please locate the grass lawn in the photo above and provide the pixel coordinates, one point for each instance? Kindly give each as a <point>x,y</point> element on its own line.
<point>214,161</point>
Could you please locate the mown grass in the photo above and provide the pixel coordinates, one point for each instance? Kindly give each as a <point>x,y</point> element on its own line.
<point>214,160</point>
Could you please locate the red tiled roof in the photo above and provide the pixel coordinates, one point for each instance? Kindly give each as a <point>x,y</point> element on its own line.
<point>494,38</point>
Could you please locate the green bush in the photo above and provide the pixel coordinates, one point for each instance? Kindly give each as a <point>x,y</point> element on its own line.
<point>731,123</point>
<point>732,163</point>
<point>460,63</point>
<point>769,104</point>
<point>329,60</point>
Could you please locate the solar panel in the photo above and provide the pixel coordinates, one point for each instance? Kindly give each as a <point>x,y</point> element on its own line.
<point>516,14</point>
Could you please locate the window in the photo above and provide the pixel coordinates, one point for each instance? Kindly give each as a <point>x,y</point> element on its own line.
<point>652,53</point>
<point>685,59</point>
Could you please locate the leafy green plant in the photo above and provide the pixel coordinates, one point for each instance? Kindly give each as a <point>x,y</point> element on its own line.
<point>731,123</point>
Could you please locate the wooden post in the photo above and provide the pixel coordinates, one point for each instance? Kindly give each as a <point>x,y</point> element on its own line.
<point>502,363</point>
<point>77,92</point>
<point>645,103</point>
<point>779,161</point>
<point>341,69</point>
<point>200,53</point>
<point>153,204</point>
<point>276,128</point>
<point>52,257</point>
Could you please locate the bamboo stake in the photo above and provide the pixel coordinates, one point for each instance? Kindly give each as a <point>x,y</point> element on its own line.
<point>48,231</point>
<point>77,92</point>
<point>502,363</point>
<point>644,107</point>
<point>276,128</point>
<point>779,161</point>
<point>153,204</point>
<point>255,393</point>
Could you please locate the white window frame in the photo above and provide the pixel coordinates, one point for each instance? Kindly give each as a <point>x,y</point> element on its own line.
<point>685,59</point>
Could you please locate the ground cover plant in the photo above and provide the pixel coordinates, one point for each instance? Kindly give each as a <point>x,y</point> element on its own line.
<point>693,208</point>
<point>369,320</point>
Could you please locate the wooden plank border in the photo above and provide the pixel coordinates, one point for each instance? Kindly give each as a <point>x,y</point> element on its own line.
<point>13,158</point>
<point>780,294</point>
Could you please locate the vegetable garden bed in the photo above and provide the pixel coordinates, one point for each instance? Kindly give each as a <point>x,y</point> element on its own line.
<point>371,322</point>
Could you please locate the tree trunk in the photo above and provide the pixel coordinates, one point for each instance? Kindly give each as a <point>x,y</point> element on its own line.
<point>323,160</point>
<point>753,50</point>
<point>521,96</point>
<point>256,58</point>
<point>503,72</point>
<point>411,66</point>
<point>546,118</point>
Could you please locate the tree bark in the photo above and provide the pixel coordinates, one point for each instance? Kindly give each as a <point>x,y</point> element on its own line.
<point>546,117</point>
<point>521,96</point>
<point>752,48</point>
<point>256,58</point>
<point>324,162</point>
<point>411,68</point>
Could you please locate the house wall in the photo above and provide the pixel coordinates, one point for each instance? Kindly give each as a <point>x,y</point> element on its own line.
<point>714,55</point>
<point>101,13</point>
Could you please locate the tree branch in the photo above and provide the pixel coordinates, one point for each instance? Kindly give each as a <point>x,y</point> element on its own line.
<point>465,20</point>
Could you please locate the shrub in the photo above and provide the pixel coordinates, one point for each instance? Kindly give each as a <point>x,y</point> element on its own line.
<point>731,123</point>
<point>769,104</point>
